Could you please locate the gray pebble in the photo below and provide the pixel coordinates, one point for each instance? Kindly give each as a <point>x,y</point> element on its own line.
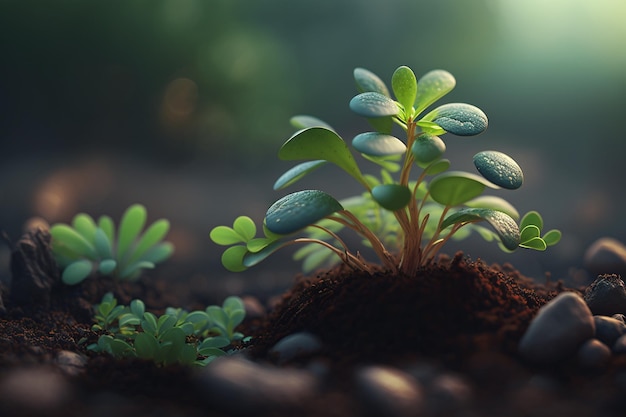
<point>71,363</point>
<point>593,354</point>
<point>608,329</point>
<point>606,256</point>
<point>387,391</point>
<point>606,295</point>
<point>295,346</point>
<point>237,385</point>
<point>558,329</point>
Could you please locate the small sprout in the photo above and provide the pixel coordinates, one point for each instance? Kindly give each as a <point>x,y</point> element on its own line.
<point>86,246</point>
<point>411,213</point>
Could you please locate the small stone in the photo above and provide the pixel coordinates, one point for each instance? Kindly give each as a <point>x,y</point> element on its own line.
<point>606,256</point>
<point>254,308</point>
<point>295,346</point>
<point>387,391</point>
<point>606,295</point>
<point>449,392</point>
<point>608,329</point>
<point>619,317</point>
<point>71,363</point>
<point>237,385</point>
<point>558,329</point>
<point>34,390</point>
<point>593,354</point>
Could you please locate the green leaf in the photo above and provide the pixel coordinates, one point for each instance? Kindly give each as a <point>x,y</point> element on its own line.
<point>536,243</point>
<point>225,236</point>
<point>382,124</point>
<point>304,121</point>
<point>459,118</point>
<point>404,85</point>
<point>378,144</point>
<point>454,188</point>
<point>431,87</point>
<point>494,203</point>
<point>132,222</point>
<point>389,163</point>
<point>427,148</point>
<point>392,196</point>
<point>85,225</point>
<point>245,227</point>
<point>146,346</point>
<point>503,224</point>
<point>153,235</point>
<point>103,244</point>
<point>529,232</point>
<point>532,218</point>
<point>499,168</point>
<point>368,81</point>
<point>134,268</point>
<point>300,209</point>
<point>437,167</point>
<point>318,143</point>
<point>149,323</point>
<point>430,128</point>
<point>232,258</point>
<point>213,342</point>
<point>68,241</point>
<point>159,253</point>
<point>297,172</point>
<point>137,307</point>
<point>106,224</point>
<point>250,258</point>
<point>552,237</point>
<point>233,303</point>
<point>77,271</point>
<point>107,266</point>
<point>373,105</point>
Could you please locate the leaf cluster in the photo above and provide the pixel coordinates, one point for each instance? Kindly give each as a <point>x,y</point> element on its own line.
<point>413,207</point>
<point>178,336</point>
<point>87,246</point>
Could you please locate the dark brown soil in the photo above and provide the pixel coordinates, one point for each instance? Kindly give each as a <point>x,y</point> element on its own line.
<point>459,314</point>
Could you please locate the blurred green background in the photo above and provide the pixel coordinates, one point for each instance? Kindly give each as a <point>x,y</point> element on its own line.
<point>183,104</point>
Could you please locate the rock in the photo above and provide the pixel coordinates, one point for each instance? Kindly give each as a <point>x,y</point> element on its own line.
<point>558,329</point>
<point>294,346</point>
<point>71,363</point>
<point>386,391</point>
<point>608,329</point>
<point>593,354</point>
<point>606,295</point>
<point>619,317</point>
<point>448,392</point>
<point>33,391</point>
<point>237,385</point>
<point>606,256</point>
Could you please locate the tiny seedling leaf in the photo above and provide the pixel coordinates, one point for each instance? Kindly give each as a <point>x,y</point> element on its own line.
<point>251,258</point>
<point>552,237</point>
<point>133,220</point>
<point>459,118</point>
<point>232,258</point>
<point>427,148</point>
<point>378,144</point>
<point>245,227</point>
<point>300,209</point>
<point>373,105</point>
<point>529,232</point>
<point>431,87</point>
<point>535,243</point>
<point>85,225</point>
<point>532,218</point>
<point>69,241</point>
<point>107,266</point>
<point>404,85</point>
<point>392,196</point>
<point>455,187</point>
<point>225,236</point>
<point>102,244</point>
<point>106,224</point>
<point>499,168</point>
<point>503,224</point>
<point>368,81</point>
<point>77,271</point>
<point>153,235</point>
<point>159,253</point>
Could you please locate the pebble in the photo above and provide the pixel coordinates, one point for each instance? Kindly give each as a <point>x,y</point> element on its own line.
<point>387,391</point>
<point>558,329</point>
<point>254,308</point>
<point>71,363</point>
<point>238,385</point>
<point>608,329</point>
<point>606,256</point>
<point>593,354</point>
<point>619,317</point>
<point>448,392</point>
<point>295,346</point>
<point>34,390</point>
<point>606,295</point>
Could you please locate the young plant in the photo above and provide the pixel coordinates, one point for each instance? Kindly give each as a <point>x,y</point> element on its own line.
<point>416,204</point>
<point>177,336</point>
<point>86,246</point>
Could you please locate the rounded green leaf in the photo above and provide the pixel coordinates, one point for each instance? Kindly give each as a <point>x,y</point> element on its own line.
<point>532,217</point>
<point>319,143</point>
<point>404,85</point>
<point>499,168</point>
<point>535,243</point>
<point>431,87</point>
<point>69,242</point>
<point>495,203</point>
<point>455,187</point>
<point>552,237</point>
<point>245,226</point>
<point>529,232</point>
<point>107,266</point>
<point>503,224</point>
<point>106,224</point>
<point>132,222</point>
<point>146,345</point>
<point>232,258</point>
<point>392,196</point>
<point>297,172</point>
<point>459,118</point>
<point>225,236</point>
<point>299,210</point>
<point>103,244</point>
<point>368,81</point>
<point>153,235</point>
<point>427,148</point>
<point>438,167</point>
<point>159,253</point>
<point>85,225</point>
<point>304,121</point>
<point>133,270</point>
<point>378,144</point>
<point>373,105</point>
<point>77,271</point>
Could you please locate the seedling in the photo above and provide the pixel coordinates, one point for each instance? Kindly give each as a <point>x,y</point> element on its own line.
<point>413,207</point>
<point>86,246</point>
<point>177,336</point>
